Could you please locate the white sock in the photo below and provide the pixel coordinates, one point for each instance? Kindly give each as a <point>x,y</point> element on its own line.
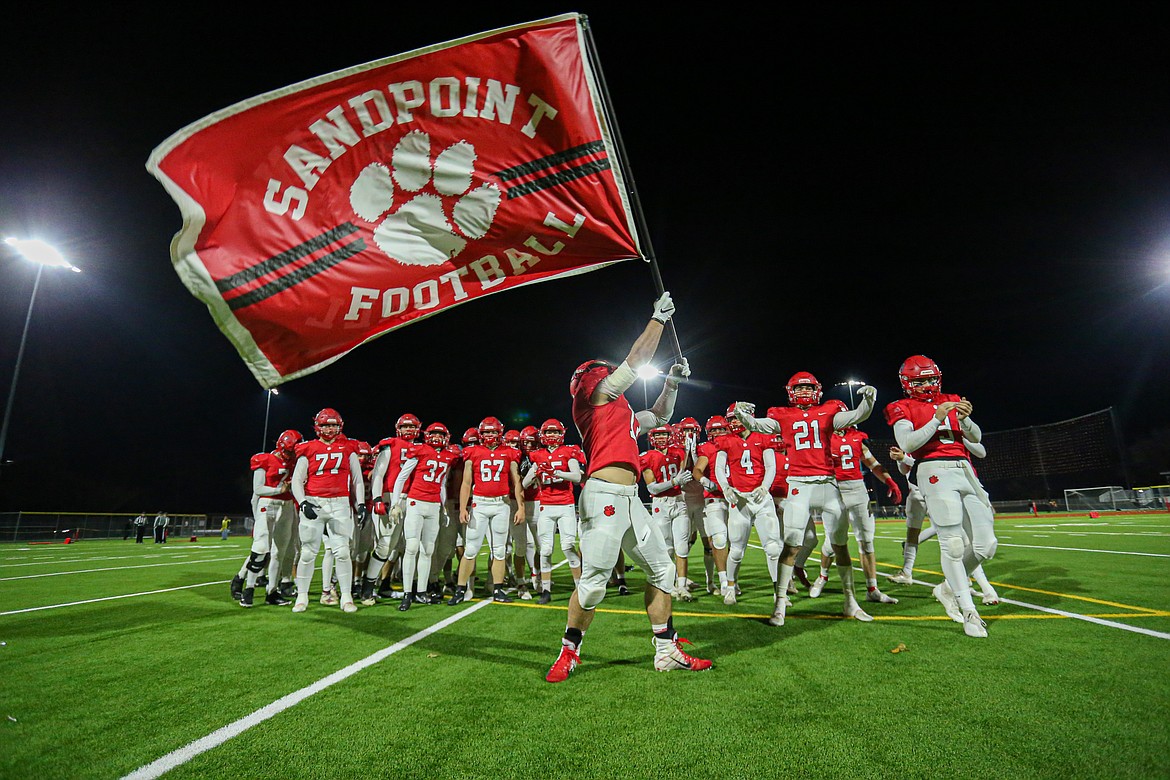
<point>908,556</point>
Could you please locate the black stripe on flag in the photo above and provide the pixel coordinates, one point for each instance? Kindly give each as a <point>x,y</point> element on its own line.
<point>277,262</point>
<point>323,263</point>
<point>524,169</point>
<point>560,177</point>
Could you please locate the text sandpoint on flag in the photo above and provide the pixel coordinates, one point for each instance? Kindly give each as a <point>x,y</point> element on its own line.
<point>327,213</point>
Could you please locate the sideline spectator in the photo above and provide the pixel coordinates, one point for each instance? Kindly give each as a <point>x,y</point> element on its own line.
<point>139,528</point>
<point>161,521</point>
<point>223,529</point>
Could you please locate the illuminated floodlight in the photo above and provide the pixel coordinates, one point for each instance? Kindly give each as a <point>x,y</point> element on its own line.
<point>647,372</point>
<point>37,251</point>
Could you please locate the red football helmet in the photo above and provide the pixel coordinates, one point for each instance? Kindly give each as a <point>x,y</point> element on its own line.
<point>288,441</point>
<point>365,453</point>
<point>716,426</point>
<point>660,437</point>
<point>327,417</point>
<point>437,435</point>
<point>470,437</point>
<point>491,430</point>
<point>587,367</point>
<point>920,377</point>
<point>528,438</point>
<point>512,437</point>
<point>407,426</point>
<point>804,390</point>
<point>552,433</point>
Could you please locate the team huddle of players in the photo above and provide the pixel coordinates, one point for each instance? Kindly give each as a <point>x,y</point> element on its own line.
<point>424,506</point>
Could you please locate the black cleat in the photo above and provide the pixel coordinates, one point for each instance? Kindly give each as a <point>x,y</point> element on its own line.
<point>237,588</point>
<point>623,590</point>
<point>288,590</point>
<point>421,597</point>
<point>501,597</point>
<point>246,597</point>
<point>405,605</point>
<point>459,597</point>
<point>275,599</point>
<point>545,597</point>
<point>262,581</point>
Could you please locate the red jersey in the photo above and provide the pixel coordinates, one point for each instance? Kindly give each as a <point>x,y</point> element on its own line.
<point>709,449</point>
<point>779,487</point>
<point>490,469</point>
<point>398,448</point>
<point>847,453</point>
<point>532,492</point>
<point>609,432</point>
<point>328,467</point>
<point>663,467</point>
<point>555,491</point>
<point>426,481</point>
<point>947,441</point>
<point>745,459</point>
<point>275,471</point>
<point>807,434</point>
<point>454,470</point>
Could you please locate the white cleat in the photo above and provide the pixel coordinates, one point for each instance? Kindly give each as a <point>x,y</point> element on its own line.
<point>682,594</point>
<point>903,578</point>
<point>791,591</point>
<point>990,597</point>
<point>778,612</point>
<point>329,598</point>
<point>974,626</point>
<point>348,606</point>
<point>854,610</point>
<point>946,597</point>
<point>877,597</point>
<point>712,587</point>
<point>300,605</point>
<point>818,585</point>
<point>729,596</point>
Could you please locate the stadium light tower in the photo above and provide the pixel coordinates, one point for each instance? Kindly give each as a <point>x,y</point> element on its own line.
<point>44,256</point>
<point>646,373</point>
<point>851,383</point>
<point>267,405</point>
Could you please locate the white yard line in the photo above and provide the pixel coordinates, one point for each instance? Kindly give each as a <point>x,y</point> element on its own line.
<point>116,568</point>
<point>1084,549</point>
<point>112,598</point>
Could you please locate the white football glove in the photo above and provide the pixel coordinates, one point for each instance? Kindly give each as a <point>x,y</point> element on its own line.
<point>663,308</point>
<point>745,409</point>
<point>398,511</point>
<point>682,478</point>
<point>760,495</point>
<point>679,372</point>
<point>868,392</point>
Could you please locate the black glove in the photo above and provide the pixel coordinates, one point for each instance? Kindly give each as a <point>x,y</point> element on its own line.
<point>360,514</point>
<point>309,509</point>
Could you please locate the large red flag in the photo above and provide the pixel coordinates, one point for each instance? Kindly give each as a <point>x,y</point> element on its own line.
<point>322,215</point>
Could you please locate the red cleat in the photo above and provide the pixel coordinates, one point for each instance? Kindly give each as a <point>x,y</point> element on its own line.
<point>566,663</point>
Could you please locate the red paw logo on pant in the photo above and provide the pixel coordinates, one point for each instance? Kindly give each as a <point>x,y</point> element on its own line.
<point>412,503</point>
<point>933,479</point>
<point>795,491</point>
<point>657,510</point>
<point>609,511</point>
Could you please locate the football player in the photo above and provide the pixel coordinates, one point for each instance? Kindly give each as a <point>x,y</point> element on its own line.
<point>523,535</point>
<point>273,513</point>
<point>807,427</point>
<point>389,544</point>
<point>555,468</point>
<point>745,467</point>
<point>327,470</point>
<point>447,539</point>
<point>849,454</point>
<point>490,475</point>
<point>423,482</point>
<point>663,472</point>
<point>932,426</point>
<point>687,437</point>
<point>612,515</point>
<point>714,504</point>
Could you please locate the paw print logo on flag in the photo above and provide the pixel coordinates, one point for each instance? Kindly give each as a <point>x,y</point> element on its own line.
<point>609,511</point>
<point>425,210</point>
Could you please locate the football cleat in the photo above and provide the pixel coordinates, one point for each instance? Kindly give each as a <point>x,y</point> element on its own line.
<point>814,592</point>
<point>877,597</point>
<point>525,594</point>
<point>623,590</point>
<point>237,588</point>
<point>459,597</point>
<point>973,625</point>
<point>405,605</point>
<point>501,597</point>
<point>778,612</point>
<point>348,606</point>
<point>288,589</point>
<point>903,578</point>
<point>674,658</point>
<point>801,575</point>
<point>990,597</point>
<point>301,605</point>
<point>247,596</point>
<point>275,599</point>
<point>329,598</point>
<point>421,597</point>
<point>545,597</point>
<point>729,595</point>
<point>566,662</point>
<point>853,610</point>
<point>791,590</point>
<point>945,596</point>
<point>682,594</point>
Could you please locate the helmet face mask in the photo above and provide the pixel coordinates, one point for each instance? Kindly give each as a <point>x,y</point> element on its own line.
<point>585,368</point>
<point>528,438</point>
<point>470,437</point>
<point>920,378</point>
<point>716,427</point>
<point>552,433</point>
<point>660,437</point>
<point>437,435</point>
<point>491,432</point>
<point>328,424</point>
<point>804,390</point>
<point>407,427</point>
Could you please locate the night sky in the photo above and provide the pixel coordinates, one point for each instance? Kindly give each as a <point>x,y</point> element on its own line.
<point>829,187</point>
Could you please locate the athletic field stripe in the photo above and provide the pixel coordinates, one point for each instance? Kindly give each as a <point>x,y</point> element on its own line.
<point>116,568</point>
<point>184,754</point>
<point>112,598</point>
<point>1084,549</point>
